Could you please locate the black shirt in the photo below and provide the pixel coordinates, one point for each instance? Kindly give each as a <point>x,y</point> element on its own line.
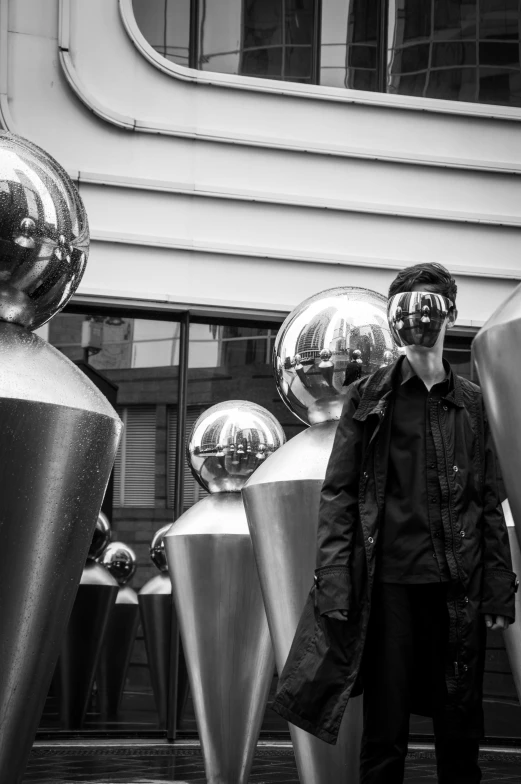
<point>411,545</point>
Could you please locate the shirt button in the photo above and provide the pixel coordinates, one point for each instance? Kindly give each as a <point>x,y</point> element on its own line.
<point>466,599</point>
<point>445,408</point>
<point>462,534</point>
<point>434,555</point>
<point>370,540</point>
<point>455,469</point>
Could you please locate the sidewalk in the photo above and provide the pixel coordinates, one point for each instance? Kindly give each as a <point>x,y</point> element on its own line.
<point>157,763</point>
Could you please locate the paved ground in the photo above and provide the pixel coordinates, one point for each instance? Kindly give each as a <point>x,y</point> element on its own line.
<point>156,765</point>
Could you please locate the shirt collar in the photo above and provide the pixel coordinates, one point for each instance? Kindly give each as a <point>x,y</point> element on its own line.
<point>408,372</point>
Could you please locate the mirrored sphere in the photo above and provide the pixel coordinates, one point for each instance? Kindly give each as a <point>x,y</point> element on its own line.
<point>101,537</point>
<point>328,341</point>
<point>44,234</point>
<point>120,560</point>
<point>157,548</point>
<point>229,441</point>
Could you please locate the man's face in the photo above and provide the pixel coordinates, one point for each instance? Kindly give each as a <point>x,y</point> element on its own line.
<point>419,318</point>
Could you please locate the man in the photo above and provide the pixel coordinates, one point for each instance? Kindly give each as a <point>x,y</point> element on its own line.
<point>413,558</point>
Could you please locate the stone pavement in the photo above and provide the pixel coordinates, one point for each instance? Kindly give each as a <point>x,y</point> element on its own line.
<point>160,763</point>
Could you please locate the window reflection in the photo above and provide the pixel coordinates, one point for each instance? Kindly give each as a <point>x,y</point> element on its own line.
<point>465,50</point>
<point>455,49</point>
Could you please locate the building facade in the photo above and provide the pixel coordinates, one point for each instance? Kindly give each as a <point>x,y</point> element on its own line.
<point>238,156</point>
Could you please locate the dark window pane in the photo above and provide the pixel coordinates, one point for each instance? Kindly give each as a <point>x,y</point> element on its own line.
<point>455,84</point>
<point>499,86</point>
<point>262,23</point>
<point>499,19</point>
<point>413,84</point>
<point>415,58</point>
<point>499,53</point>
<point>453,20</point>
<point>300,22</point>
<point>362,57</point>
<point>448,54</point>
<point>263,62</point>
<point>298,62</point>
<point>362,80</point>
<point>470,42</point>
<point>415,19</point>
<point>363,21</point>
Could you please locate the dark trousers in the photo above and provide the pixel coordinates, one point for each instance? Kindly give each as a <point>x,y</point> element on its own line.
<point>406,638</point>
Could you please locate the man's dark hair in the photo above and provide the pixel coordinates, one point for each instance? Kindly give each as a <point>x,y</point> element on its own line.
<point>436,275</point>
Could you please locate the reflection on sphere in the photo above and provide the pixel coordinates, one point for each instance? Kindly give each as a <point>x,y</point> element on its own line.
<point>44,234</point>
<point>326,343</point>
<point>157,548</point>
<point>101,537</point>
<point>120,560</point>
<point>229,441</point>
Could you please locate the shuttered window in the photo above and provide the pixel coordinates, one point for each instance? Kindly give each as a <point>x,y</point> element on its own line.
<point>193,491</point>
<point>135,466</point>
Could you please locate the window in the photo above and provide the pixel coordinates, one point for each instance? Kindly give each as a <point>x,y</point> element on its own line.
<point>135,466</point>
<point>462,50</point>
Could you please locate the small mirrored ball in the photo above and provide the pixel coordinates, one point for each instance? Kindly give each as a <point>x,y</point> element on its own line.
<point>157,548</point>
<point>101,537</point>
<point>326,343</point>
<point>44,234</point>
<point>120,560</point>
<point>229,441</point>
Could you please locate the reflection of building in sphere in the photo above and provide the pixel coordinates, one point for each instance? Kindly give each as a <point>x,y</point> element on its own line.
<point>43,232</point>
<point>120,560</point>
<point>157,549</point>
<point>312,338</point>
<point>326,343</point>
<point>229,441</point>
<point>101,537</point>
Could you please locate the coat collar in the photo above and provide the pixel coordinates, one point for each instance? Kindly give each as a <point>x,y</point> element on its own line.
<point>379,386</point>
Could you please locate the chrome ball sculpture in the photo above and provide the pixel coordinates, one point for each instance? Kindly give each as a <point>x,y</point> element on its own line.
<point>160,630</point>
<point>120,560</point>
<point>101,537</point>
<point>217,592</point>
<point>44,233</point>
<point>494,349</point>
<point>327,342</point>
<point>228,442</point>
<point>58,438</point>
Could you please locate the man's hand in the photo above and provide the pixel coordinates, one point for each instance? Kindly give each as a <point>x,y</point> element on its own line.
<point>337,615</point>
<point>496,622</point>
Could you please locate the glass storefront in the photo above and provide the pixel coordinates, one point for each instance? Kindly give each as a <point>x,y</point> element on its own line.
<point>451,49</point>
<point>140,355</point>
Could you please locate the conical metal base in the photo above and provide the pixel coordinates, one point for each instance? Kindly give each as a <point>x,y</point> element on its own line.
<point>281,500</point>
<point>58,438</point>
<point>224,632</point>
<point>82,644</point>
<point>160,627</point>
<point>496,352</point>
<point>116,652</point>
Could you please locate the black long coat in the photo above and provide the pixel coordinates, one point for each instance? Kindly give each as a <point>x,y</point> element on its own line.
<point>323,667</point>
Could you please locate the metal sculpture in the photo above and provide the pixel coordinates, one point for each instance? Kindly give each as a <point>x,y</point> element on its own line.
<point>493,349</point>
<point>58,438</point>
<point>326,343</point>
<point>217,592</point>
<point>160,630</point>
<point>121,562</point>
<point>85,635</point>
